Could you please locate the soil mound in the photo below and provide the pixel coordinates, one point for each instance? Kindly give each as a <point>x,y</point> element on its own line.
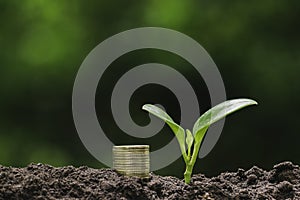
<point>39,181</point>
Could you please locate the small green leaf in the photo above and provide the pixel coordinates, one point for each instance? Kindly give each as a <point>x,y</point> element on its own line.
<point>219,112</point>
<point>189,141</point>
<point>189,138</point>
<point>178,130</point>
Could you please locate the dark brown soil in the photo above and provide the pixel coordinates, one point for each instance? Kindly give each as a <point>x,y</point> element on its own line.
<point>38,181</point>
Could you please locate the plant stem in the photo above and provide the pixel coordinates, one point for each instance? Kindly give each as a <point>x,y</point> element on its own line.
<point>190,164</point>
<point>188,173</point>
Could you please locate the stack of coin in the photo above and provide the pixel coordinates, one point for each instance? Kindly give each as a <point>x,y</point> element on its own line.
<point>132,160</point>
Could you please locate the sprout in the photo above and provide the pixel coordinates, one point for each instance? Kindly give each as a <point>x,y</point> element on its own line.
<point>188,139</point>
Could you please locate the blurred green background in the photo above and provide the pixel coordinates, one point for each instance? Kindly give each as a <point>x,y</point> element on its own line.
<point>255,45</point>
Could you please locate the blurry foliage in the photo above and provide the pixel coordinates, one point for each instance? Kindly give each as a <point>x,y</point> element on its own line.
<point>255,44</point>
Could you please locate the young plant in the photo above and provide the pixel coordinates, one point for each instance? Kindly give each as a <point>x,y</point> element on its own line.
<point>188,139</point>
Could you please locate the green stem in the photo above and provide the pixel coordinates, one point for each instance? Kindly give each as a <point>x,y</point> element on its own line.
<point>188,173</point>
<point>190,164</point>
<point>195,152</point>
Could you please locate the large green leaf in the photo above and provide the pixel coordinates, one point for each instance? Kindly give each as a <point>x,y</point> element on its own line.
<point>178,130</point>
<point>218,112</point>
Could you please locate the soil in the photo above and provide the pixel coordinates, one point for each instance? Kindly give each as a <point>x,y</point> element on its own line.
<point>39,181</point>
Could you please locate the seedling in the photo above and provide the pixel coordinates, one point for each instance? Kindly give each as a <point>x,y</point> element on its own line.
<point>188,139</point>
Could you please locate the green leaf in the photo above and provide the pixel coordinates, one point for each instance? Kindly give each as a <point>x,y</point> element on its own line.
<point>178,130</point>
<point>189,141</point>
<point>219,112</point>
<point>200,135</point>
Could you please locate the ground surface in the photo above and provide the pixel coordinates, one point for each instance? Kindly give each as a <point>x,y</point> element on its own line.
<point>38,181</point>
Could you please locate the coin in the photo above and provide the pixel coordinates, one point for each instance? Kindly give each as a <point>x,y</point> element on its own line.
<point>132,160</point>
